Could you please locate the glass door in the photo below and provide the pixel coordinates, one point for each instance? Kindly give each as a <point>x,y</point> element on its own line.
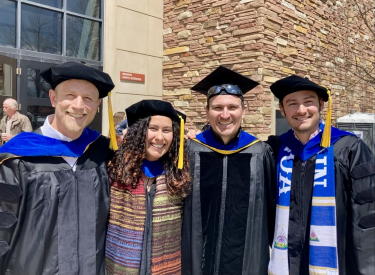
<point>35,94</point>
<point>8,80</point>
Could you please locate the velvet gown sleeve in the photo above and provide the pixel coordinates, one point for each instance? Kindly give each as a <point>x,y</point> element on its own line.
<point>189,257</point>
<point>360,252</point>
<point>10,200</point>
<point>270,189</point>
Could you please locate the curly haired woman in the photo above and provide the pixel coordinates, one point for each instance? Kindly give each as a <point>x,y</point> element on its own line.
<point>148,186</point>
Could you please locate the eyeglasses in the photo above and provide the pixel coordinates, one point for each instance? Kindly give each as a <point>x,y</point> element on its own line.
<point>229,88</point>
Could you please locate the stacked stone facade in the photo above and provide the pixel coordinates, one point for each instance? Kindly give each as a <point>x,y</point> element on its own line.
<point>265,40</point>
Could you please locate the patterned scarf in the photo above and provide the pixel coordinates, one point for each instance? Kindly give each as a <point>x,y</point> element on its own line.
<point>127,224</point>
<point>323,239</point>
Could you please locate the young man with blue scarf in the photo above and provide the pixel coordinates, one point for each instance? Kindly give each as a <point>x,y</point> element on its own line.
<point>54,191</point>
<point>325,215</point>
<point>231,206</point>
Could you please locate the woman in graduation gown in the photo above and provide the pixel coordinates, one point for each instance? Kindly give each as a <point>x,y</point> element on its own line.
<point>149,177</point>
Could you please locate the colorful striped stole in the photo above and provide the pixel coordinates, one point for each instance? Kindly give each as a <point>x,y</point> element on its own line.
<point>323,237</point>
<point>126,227</point>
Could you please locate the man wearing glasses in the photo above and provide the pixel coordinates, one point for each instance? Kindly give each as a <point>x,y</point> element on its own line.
<point>231,206</point>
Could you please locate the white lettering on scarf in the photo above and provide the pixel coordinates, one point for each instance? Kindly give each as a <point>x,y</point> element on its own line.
<point>286,182</point>
<point>321,172</point>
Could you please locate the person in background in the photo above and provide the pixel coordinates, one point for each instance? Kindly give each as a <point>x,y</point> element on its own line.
<point>325,217</point>
<point>13,122</point>
<point>149,177</point>
<point>121,126</point>
<point>118,117</point>
<point>54,188</point>
<point>229,217</point>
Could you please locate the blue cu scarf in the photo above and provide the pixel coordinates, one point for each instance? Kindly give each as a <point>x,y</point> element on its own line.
<point>29,144</point>
<point>208,139</point>
<point>323,239</point>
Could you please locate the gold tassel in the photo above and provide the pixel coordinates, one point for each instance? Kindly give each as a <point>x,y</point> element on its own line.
<point>326,139</point>
<point>112,131</point>
<point>181,149</point>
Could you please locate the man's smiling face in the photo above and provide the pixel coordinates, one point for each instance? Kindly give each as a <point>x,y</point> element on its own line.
<point>76,102</point>
<point>302,111</point>
<point>225,113</point>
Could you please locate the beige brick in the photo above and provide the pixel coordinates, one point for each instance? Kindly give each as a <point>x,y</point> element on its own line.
<point>178,65</point>
<point>213,10</point>
<point>281,41</point>
<point>270,79</point>
<point>220,47</point>
<point>180,103</point>
<point>183,34</point>
<point>176,50</point>
<point>324,45</point>
<point>253,119</point>
<point>300,29</point>
<point>177,92</point>
<point>212,63</point>
<point>256,77</point>
<point>185,97</point>
<point>167,31</point>
<point>183,2</point>
<point>245,1</point>
<point>185,15</point>
<point>321,36</point>
<point>265,110</point>
<point>210,23</point>
<point>287,70</point>
<point>191,74</point>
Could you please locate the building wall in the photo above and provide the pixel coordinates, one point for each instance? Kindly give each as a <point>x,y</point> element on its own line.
<point>133,43</point>
<point>265,40</point>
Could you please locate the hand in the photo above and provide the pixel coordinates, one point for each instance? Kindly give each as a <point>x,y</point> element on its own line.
<point>191,134</point>
<point>6,137</point>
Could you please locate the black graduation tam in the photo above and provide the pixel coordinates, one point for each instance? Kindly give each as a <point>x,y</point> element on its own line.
<point>221,76</point>
<point>73,70</point>
<point>182,115</point>
<point>294,83</point>
<point>146,108</point>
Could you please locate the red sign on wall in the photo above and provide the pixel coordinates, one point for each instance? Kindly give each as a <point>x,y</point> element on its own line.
<point>132,77</point>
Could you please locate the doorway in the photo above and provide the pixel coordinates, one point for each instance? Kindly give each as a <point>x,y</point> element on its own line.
<point>34,94</point>
<point>8,80</point>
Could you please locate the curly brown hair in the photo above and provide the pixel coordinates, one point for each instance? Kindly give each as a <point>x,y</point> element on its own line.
<point>125,167</point>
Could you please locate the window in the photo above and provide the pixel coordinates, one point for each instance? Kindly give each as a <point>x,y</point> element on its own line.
<point>52,3</point>
<point>85,7</point>
<point>67,28</point>
<point>36,86</point>
<point>83,38</point>
<point>41,30</point>
<point>7,23</point>
<point>5,79</point>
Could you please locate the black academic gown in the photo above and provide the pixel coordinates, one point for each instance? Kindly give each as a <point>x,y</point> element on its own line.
<point>229,212</point>
<point>53,220</point>
<point>355,207</point>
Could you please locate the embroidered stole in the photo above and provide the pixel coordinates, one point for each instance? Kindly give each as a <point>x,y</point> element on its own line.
<point>323,237</point>
<point>126,228</point>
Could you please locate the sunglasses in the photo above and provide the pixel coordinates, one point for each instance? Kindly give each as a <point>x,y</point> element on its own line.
<point>229,88</point>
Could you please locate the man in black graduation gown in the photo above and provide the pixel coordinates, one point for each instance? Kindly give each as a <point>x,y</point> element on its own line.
<point>302,239</point>
<point>54,190</point>
<point>227,216</point>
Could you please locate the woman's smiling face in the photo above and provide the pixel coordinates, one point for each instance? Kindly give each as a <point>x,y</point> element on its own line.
<point>159,137</point>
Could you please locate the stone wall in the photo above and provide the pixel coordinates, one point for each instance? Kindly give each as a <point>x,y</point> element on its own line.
<point>264,40</point>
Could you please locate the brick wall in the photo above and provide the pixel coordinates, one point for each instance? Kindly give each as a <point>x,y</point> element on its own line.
<point>264,40</point>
